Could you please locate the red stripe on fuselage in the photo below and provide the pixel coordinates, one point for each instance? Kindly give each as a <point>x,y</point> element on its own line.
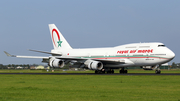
<point>127,57</point>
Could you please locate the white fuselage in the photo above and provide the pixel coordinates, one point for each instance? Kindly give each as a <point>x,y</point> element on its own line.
<point>137,54</point>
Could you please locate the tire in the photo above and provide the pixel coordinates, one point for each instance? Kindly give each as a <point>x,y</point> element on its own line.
<point>112,71</point>
<point>125,71</point>
<point>103,72</point>
<point>157,71</point>
<point>121,71</point>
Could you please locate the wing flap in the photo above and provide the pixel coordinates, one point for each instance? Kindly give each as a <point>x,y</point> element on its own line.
<point>45,52</point>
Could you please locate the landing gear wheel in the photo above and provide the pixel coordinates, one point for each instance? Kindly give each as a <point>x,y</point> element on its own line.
<point>112,71</point>
<point>122,71</point>
<point>103,72</point>
<point>99,72</point>
<point>96,71</point>
<point>158,72</point>
<point>125,71</point>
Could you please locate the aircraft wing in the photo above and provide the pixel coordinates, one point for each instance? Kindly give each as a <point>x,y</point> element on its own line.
<point>81,59</point>
<point>77,59</point>
<point>19,56</point>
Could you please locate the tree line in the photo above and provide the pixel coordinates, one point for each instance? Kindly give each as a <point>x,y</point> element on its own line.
<point>14,66</point>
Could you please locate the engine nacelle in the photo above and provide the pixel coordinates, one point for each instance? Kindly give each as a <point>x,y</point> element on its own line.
<point>95,65</point>
<point>56,63</point>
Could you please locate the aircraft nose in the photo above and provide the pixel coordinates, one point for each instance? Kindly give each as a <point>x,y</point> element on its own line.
<point>171,54</point>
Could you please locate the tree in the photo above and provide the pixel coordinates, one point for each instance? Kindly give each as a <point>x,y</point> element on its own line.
<point>174,65</point>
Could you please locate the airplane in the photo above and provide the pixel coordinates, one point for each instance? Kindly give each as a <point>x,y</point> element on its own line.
<point>104,60</point>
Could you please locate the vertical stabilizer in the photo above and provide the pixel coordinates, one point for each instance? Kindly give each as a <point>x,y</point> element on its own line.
<point>59,42</point>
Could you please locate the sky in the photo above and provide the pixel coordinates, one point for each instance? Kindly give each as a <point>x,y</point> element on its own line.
<point>86,24</point>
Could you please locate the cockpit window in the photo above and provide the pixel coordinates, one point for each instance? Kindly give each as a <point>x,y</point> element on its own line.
<point>161,45</point>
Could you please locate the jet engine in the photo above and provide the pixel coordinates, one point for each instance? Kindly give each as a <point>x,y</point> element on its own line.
<point>94,65</point>
<point>56,63</point>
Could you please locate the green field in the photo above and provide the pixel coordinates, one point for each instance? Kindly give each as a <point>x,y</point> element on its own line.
<point>89,88</point>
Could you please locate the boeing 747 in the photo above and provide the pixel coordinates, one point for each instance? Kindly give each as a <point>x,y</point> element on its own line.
<point>105,60</point>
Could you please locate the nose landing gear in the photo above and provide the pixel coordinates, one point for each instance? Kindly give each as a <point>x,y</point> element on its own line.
<point>157,69</point>
<point>158,72</point>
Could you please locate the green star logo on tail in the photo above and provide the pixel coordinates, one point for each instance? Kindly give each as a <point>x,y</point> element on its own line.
<point>59,43</point>
<point>58,38</point>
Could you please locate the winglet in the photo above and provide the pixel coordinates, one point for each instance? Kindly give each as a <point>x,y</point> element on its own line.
<point>9,54</point>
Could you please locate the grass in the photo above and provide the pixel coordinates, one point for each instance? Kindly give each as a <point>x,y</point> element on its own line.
<point>89,88</point>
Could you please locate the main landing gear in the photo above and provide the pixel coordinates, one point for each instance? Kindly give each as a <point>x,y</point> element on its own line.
<point>99,72</point>
<point>103,71</point>
<point>122,71</point>
<point>110,71</point>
